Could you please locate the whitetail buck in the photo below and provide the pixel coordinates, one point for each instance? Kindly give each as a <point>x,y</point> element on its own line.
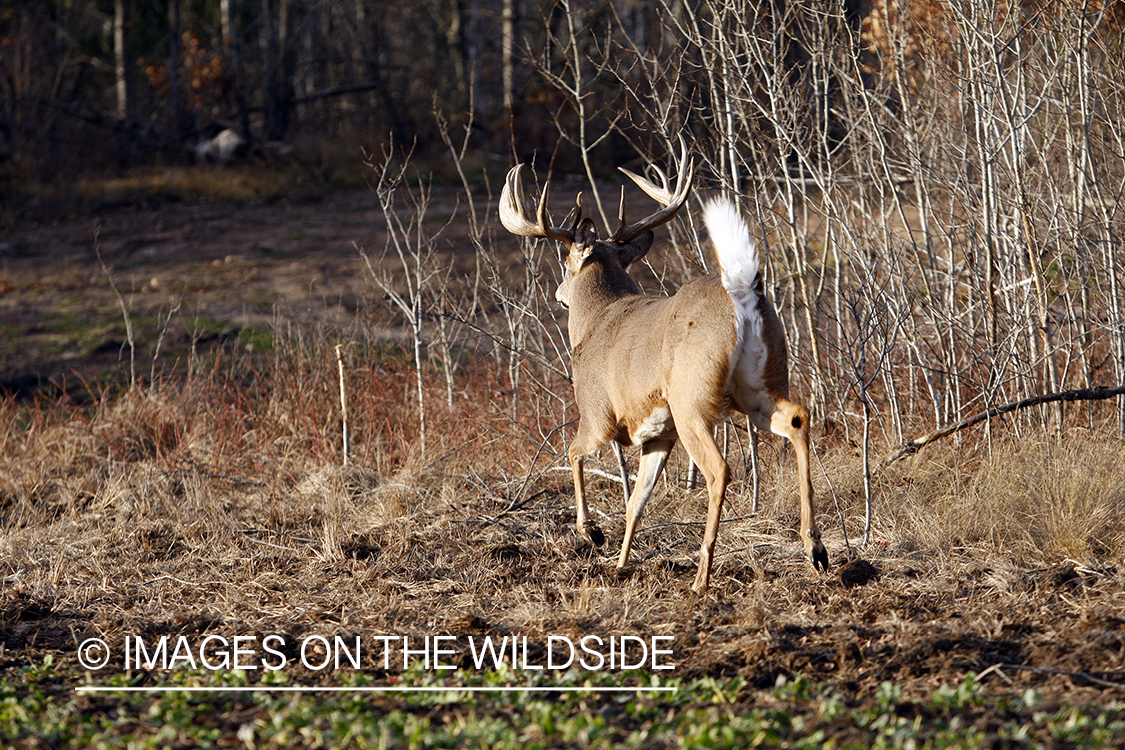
<point>650,370</point>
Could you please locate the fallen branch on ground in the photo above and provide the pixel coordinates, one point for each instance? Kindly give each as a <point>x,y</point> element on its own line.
<point>911,447</point>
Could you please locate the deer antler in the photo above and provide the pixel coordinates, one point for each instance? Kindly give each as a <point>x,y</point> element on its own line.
<point>671,199</point>
<point>513,212</point>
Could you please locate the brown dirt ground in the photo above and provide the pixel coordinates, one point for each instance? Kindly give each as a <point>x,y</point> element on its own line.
<point>917,620</point>
<point>234,267</point>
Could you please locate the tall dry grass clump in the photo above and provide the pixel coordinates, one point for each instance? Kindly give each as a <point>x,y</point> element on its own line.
<point>216,459</point>
<point>1036,501</point>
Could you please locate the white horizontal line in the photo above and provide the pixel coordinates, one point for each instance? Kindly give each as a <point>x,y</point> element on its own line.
<point>376,689</point>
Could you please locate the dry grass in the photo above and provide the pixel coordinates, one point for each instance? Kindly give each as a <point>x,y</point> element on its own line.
<point>218,505</point>
<point>1037,501</point>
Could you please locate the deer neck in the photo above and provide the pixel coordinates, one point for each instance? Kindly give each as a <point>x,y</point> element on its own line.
<point>599,286</point>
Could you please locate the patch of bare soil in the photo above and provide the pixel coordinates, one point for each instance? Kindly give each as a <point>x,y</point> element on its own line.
<point>188,274</point>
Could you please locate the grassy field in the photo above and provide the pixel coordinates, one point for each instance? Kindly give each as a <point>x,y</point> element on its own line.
<point>175,501</point>
<point>214,505</point>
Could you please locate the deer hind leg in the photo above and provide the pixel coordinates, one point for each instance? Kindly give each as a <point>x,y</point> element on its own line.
<point>584,443</point>
<point>654,454</point>
<point>791,421</point>
<point>699,440</point>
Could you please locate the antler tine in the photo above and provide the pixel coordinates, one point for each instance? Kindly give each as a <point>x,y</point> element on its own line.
<point>513,211</point>
<point>513,214</point>
<point>672,200</point>
<point>621,209</point>
<point>661,194</point>
<point>541,209</point>
<point>574,216</point>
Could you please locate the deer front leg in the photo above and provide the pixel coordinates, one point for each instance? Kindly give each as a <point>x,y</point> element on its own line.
<point>587,529</point>
<point>592,434</point>
<point>654,454</point>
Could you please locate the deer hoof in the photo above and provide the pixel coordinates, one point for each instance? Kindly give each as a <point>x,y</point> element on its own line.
<point>819,557</point>
<point>591,533</point>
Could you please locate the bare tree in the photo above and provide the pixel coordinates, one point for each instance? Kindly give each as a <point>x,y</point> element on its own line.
<point>121,66</point>
<point>404,208</point>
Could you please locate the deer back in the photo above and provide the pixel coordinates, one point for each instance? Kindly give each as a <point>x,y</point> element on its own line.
<point>636,350</point>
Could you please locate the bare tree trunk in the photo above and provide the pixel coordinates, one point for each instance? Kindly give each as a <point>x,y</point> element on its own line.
<point>473,53</point>
<point>175,72</point>
<point>507,42</point>
<point>276,22</point>
<point>226,28</point>
<point>120,55</point>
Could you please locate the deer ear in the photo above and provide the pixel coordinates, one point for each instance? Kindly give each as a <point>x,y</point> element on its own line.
<point>575,254</point>
<point>585,234</point>
<point>634,249</point>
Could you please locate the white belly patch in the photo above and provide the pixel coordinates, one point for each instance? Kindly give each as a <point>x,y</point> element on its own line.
<point>658,424</point>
